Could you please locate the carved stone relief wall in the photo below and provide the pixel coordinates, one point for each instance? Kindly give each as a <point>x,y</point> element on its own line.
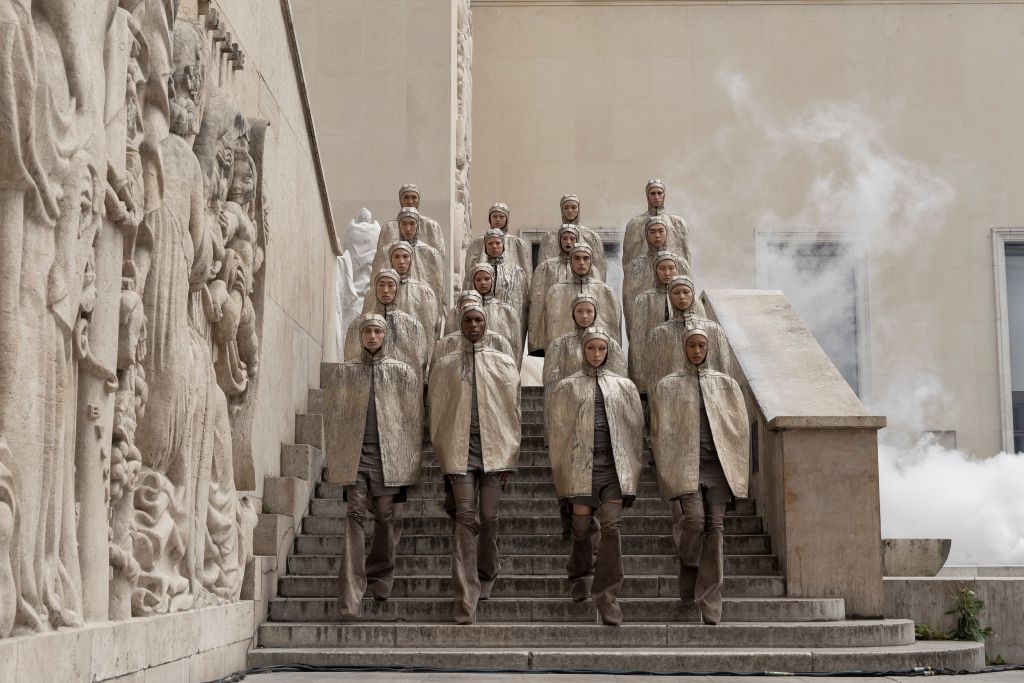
<point>133,230</point>
<point>463,128</point>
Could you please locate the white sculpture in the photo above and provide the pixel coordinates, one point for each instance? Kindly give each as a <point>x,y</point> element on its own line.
<point>352,275</point>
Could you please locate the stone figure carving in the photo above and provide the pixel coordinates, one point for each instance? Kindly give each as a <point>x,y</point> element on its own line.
<point>129,315</point>
<point>550,248</point>
<point>463,129</point>
<point>634,241</point>
<point>352,277</point>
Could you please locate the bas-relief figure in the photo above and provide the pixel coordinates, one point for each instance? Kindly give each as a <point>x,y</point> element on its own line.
<point>127,317</point>
<point>352,277</point>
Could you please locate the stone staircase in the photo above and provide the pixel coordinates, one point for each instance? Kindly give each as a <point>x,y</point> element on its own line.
<point>531,624</point>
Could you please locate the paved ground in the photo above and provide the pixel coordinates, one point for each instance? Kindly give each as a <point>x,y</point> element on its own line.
<point>1006,677</point>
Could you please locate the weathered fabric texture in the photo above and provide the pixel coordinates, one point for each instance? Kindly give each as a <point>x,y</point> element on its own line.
<point>548,274</point>
<point>564,357</point>
<point>428,265</point>
<point>398,399</point>
<point>551,249</point>
<point>517,252</point>
<point>664,352</point>
<point>638,276</point>
<point>634,240</point>
<point>416,299</point>
<point>357,569</point>
<point>675,430</point>
<point>502,320</point>
<point>558,309</point>
<point>701,533</point>
<point>450,393</point>
<point>475,542</point>
<point>572,444</point>
<point>430,233</point>
<point>405,339</point>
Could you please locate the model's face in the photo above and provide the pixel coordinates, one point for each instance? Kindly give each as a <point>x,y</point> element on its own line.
<point>696,349</point>
<point>494,247</point>
<point>656,197</point>
<point>498,220</point>
<point>666,270</point>
<point>656,235</point>
<point>474,325</point>
<point>372,338</point>
<point>595,351</point>
<point>408,228</point>
<point>386,290</point>
<point>401,261</point>
<point>482,282</point>
<point>567,241</point>
<point>682,297</point>
<point>570,210</point>
<point>409,198</point>
<point>581,263</point>
<point>584,314</point>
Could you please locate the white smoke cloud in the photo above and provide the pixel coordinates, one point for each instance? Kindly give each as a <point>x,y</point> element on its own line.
<point>881,204</point>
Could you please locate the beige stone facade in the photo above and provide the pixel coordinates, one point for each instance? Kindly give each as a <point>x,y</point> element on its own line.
<point>719,99</point>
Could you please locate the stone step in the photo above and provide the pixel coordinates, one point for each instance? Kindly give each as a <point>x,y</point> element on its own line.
<point>878,633</point>
<point>511,586</point>
<point>439,610</point>
<point>535,544</point>
<point>937,654</point>
<point>537,565</point>
<point>439,525</point>
<point>539,473</point>
<point>513,489</point>
<point>512,507</point>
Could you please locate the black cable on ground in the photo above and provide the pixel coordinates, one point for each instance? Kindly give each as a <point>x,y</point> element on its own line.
<point>313,668</point>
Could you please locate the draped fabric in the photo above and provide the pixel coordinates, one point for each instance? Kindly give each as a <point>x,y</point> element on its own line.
<point>405,339</point>
<point>398,400</point>
<point>456,365</point>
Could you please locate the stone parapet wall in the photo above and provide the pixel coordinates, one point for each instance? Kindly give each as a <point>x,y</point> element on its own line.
<point>927,601</point>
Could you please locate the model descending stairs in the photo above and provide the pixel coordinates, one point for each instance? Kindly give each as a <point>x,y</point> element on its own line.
<point>530,623</point>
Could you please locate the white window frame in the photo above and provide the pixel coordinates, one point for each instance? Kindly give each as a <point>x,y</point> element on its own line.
<point>1000,238</point>
<point>762,238</point>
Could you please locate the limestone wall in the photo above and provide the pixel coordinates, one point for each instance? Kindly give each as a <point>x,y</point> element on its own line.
<point>383,92</point>
<point>165,241</point>
<point>596,97</point>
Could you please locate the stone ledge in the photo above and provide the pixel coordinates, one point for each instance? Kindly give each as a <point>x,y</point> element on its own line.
<point>209,643</point>
<point>827,422</point>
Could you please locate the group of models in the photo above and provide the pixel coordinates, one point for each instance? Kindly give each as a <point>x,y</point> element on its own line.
<point>677,379</point>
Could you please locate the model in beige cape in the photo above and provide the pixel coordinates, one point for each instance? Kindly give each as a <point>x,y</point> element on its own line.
<point>557,317</point>
<point>675,429</point>
<point>634,239</point>
<point>667,354</point>
<point>449,395</point>
<point>570,208</point>
<point>572,409</point>
<point>428,266</point>
<point>517,250</point>
<point>414,297</point>
<point>640,274</point>
<point>502,317</point>
<point>430,230</point>
<point>405,339</point>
